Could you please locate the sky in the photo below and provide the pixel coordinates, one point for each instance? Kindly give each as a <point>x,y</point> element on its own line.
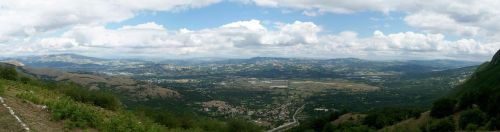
<point>180,29</point>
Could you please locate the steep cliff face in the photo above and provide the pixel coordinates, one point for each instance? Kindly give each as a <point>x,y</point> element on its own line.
<point>496,58</point>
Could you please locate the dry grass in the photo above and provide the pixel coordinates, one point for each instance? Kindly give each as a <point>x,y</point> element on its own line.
<point>351,118</point>
<point>334,84</point>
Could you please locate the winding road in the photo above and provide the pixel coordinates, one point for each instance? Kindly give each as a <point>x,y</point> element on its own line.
<point>289,125</point>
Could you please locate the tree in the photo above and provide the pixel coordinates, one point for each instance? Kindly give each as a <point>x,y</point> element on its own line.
<point>440,125</point>
<point>2,90</point>
<point>380,118</point>
<point>25,80</point>
<point>443,107</point>
<point>494,123</point>
<point>472,117</point>
<point>236,125</point>
<point>8,73</point>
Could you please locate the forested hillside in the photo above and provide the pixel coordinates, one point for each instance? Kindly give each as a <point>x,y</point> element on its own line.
<point>471,106</point>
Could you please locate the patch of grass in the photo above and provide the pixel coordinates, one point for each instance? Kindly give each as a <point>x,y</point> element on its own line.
<point>80,115</point>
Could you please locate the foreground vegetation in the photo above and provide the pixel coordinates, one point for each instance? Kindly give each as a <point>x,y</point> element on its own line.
<point>371,121</point>
<point>79,107</point>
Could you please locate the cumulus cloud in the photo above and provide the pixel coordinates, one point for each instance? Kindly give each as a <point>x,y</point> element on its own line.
<point>252,38</point>
<point>150,37</point>
<point>81,22</point>
<point>406,44</point>
<point>25,18</point>
<point>466,18</point>
<point>440,23</point>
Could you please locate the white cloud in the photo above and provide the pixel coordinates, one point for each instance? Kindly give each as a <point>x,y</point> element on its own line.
<point>24,18</point>
<point>253,25</point>
<point>466,18</point>
<point>336,6</point>
<point>311,13</point>
<point>150,37</point>
<point>251,38</point>
<point>24,23</point>
<point>408,45</point>
<point>440,23</point>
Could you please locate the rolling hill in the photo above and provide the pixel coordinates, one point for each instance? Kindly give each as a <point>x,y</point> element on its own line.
<point>29,104</point>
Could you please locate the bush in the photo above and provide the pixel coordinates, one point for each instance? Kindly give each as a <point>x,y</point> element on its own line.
<point>443,107</point>
<point>440,125</point>
<point>79,115</point>
<point>25,80</point>
<point>99,98</point>
<point>2,89</point>
<point>472,117</point>
<point>346,127</point>
<point>106,100</point>
<point>8,73</point>
<point>494,123</point>
<point>380,118</point>
<point>236,125</point>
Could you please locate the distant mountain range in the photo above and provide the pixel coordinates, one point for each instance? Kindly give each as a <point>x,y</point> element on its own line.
<point>74,62</point>
<point>257,65</point>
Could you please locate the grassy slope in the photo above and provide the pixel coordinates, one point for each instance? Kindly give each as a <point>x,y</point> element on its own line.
<point>65,114</point>
<point>409,125</point>
<point>486,77</point>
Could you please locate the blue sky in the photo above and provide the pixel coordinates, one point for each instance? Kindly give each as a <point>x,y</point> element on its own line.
<point>365,23</point>
<point>172,29</point>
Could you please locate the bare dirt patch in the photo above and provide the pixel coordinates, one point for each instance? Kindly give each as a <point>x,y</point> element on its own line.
<point>7,122</point>
<point>35,117</point>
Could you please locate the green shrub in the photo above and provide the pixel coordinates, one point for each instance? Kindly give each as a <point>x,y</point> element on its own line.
<point>79,115</point>
<point>8,73</point>
<point>347,127</point>
<point>443,107</point>
<point>380,118</point>
<point>2,89</point>
<point>236,125</point>
<point>127,122</point>
<point>494,123</point>
<point>440,125</point>
<point>473,117</point>
<point>30,96</point>
<point>105,100</point>
<point>78,93</point>
<point>25,80</point>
